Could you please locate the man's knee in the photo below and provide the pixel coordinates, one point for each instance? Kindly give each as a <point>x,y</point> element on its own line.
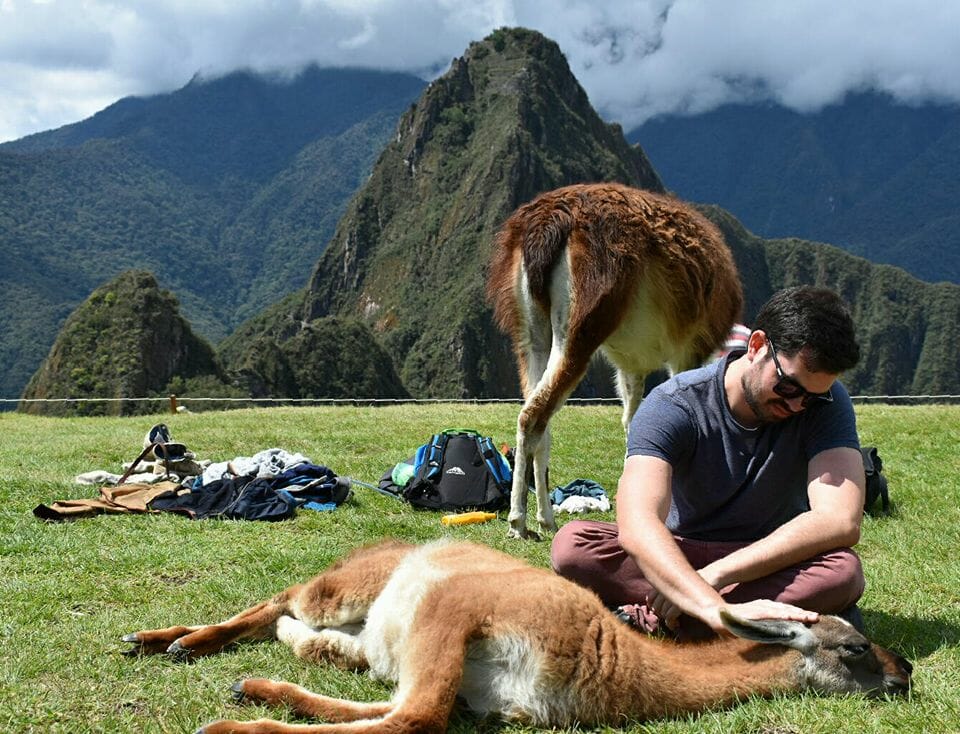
<point>847,572</point>
<point>579,547</point>
<point>566,554</point>
<point>832,582</point>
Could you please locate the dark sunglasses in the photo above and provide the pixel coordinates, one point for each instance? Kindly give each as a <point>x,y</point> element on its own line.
<point>790,389</point>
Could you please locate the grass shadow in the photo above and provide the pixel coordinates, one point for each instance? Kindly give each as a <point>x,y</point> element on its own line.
<point>911,636</point>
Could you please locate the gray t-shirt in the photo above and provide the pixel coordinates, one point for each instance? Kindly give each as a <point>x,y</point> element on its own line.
<point>730,482</point>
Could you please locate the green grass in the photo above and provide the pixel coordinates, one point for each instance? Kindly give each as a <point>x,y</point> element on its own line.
<point>69,591</point>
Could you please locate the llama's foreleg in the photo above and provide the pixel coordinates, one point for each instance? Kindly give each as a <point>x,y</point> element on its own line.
<point>185,643</point>
<point>336,646</point>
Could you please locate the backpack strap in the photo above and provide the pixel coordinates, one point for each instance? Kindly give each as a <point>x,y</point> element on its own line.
<point>136,462</point>
<point>876,482</point>
<point>434,455</point>
<point>495,463</point>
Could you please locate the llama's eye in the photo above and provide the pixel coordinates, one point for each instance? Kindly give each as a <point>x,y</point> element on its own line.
<point>857,650</point>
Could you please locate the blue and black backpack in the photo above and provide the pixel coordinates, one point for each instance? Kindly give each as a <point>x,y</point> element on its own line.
<point>457,469</point>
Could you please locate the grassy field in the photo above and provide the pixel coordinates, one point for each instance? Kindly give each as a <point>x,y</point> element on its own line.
<point>69,591</point>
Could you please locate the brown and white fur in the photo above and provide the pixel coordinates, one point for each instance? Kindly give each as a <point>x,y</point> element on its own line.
<point>639,276</point>
<point>458,620</point>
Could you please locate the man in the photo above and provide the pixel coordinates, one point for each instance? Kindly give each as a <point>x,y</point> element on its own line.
<point>743,485</point>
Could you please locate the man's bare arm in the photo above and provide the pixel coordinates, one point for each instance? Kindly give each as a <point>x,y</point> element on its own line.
<point>835,487</point>
<point>643,500</point>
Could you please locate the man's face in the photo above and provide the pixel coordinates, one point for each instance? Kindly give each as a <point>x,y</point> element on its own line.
<point>772,373</point>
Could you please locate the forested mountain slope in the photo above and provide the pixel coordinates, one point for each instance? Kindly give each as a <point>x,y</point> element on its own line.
<point>227,190</point>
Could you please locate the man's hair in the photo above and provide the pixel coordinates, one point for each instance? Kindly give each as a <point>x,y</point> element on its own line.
<point>815,318</point>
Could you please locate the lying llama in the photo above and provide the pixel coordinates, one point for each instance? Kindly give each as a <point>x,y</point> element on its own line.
<point>448,620</point>
<point>639,276</point>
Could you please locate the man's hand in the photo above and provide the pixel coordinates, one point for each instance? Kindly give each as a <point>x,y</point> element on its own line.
<point>666,610</point>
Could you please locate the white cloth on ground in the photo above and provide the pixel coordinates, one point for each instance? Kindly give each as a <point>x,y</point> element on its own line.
<point>577,504</point>
<point>266,463</point>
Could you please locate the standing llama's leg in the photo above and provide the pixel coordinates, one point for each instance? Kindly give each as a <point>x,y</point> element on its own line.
<point>550,373</point>
<point>630,389</point>
<point>533,356</point>
<point>531,458</point>
<point>566,366</point>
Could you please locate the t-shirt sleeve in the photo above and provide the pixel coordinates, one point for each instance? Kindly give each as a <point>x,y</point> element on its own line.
<point>834,425</point>
<point>662,428</point>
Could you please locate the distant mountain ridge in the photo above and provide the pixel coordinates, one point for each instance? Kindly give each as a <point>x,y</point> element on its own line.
<point>243,124</point>
<point>509,120</point>
<point>227,190</point>
<point>872,176</point>
<point>394,305</point>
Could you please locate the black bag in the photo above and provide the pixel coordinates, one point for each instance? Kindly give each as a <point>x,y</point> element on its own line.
<point>458,469</point>
<point>876,482</point>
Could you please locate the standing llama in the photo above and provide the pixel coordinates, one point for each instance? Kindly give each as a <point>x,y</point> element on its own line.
<point>639,276</point>
<point>457,620</point>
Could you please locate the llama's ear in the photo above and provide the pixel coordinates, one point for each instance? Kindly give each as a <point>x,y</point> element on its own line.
<point>769,631</point>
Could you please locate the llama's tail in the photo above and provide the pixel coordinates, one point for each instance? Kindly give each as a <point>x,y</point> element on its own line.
<point>529,244</point>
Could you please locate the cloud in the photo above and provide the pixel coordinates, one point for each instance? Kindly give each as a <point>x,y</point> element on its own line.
<point>803,54</point>
<point>62,60</point>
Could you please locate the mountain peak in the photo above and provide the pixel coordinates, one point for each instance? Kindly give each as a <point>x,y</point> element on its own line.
<point>127,340</point>
<point>507,121</point>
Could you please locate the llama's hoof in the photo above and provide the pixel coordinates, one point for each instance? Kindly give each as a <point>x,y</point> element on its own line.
<point>523,534</point>
<point>137,649</point>
<point>236,692</point>
<point>178,652</point>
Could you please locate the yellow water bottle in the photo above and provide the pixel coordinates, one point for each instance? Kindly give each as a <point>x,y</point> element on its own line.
<point>465,518</point>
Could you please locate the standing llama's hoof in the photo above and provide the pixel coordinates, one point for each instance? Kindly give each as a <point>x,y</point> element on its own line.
<point>523,533</point>
<point>548,528</point>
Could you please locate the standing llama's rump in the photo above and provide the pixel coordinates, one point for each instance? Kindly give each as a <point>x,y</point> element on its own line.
<point>639,276</point>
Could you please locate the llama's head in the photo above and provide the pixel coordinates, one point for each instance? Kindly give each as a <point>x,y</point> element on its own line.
<point>836,658</point>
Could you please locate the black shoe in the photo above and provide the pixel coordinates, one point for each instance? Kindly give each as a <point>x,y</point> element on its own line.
<point>630,614</point>
<point>852,615</point>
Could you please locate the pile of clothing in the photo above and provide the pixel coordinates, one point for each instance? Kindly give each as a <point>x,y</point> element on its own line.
<point>580,495</point>
<point>270,485</point>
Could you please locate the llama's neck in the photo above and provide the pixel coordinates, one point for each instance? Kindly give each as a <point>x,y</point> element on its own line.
<point>650,678</point>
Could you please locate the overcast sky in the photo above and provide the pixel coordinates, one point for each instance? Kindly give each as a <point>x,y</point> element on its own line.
<point>63,60</point>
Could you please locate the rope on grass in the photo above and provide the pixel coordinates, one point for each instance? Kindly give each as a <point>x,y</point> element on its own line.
<point>405,401</point>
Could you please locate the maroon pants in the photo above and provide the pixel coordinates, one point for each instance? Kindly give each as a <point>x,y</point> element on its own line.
<point>589,553</point>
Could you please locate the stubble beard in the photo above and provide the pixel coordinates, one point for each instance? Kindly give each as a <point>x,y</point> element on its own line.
<point>761,410</point>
